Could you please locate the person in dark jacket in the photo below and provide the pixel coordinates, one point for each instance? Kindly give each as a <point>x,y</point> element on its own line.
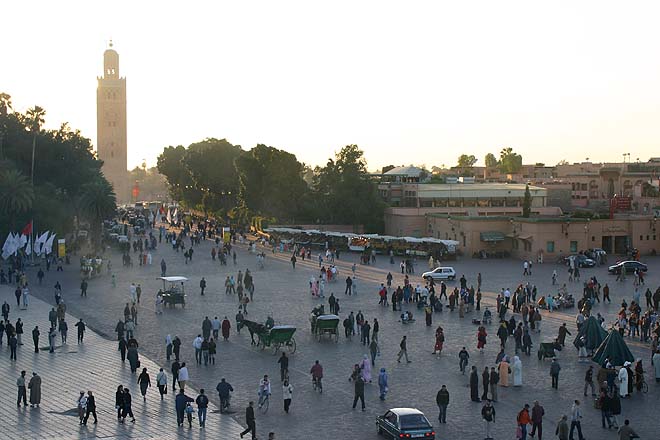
<point>224,388</point>
<point>359,392</point>
<point>442,400</point>
<point>537,419</point>
<point>133,359</point>
<point>127,410</point>
<point>35,338</point>
<point>144,381</point>
<point>250,421</point>
<point>485,379</point>
<point>202,404</point>
<point>474,385</point>
<point>123,346</point>
<point>180,403</point>
<point>91,408</point>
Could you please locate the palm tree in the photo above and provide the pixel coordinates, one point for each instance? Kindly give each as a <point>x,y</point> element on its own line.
<point>5,106</point>
<point>35,118</point>
<point>16,194</point>
<point>97,203</point>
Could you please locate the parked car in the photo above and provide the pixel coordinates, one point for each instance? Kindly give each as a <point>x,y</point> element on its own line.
<point>440,273</point>
<point>596,253</point>
<point>630,267</point>
<point>580,261</point>
<point>405,423</point>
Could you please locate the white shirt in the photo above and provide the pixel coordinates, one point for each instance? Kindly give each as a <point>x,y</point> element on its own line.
<point>197,343</point>
<point>215,324</point>
<point>183,374</point>
<point>287,391</point>
<point>264,386</point>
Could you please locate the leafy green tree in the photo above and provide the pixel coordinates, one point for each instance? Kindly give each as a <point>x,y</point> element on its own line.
<point>527,203</point>
<point>466,162</point>
<point>271,182</point>
<point>490,160</point>
<point>16,194</point>
<point>344,192</point>
<point>181,186</point>
<point>510,162</point>
<point>97,203</point>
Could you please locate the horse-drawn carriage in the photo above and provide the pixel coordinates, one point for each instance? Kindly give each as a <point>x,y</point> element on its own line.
<point>90,267</point>
<point>326,325</point>
<point>278,337</point>
<point>173,291</point>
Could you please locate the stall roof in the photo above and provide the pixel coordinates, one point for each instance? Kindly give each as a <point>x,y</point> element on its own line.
<point>173,279</point>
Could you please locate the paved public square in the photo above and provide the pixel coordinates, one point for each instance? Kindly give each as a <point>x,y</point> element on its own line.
<point>283,293</point>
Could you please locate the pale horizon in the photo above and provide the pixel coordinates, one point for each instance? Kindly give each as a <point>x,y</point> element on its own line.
<point>414,84</point>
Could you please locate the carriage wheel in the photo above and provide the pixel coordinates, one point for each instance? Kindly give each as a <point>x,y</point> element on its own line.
<point>291,346</point>
<point>645,387</point>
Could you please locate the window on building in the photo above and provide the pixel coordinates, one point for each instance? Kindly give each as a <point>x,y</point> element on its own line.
<point>497,202</point>
<point>641,238</point>
<point>593,238</point>
<point>550,246</point>
<point>574,246</point>
<point>647,238</point>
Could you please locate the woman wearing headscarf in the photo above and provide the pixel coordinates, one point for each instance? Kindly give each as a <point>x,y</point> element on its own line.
<point>439,340</point>
<point>517,372</point>
<point>382,383</point>
<point>365,367</point>
<point>504,372</point>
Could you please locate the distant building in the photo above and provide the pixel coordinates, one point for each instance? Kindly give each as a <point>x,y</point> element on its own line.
<point>111,131</point>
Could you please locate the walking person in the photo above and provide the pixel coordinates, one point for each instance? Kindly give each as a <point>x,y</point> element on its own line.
<point>523,420</point>
<point>20,383</point>
<point>13,343</point>
<point>35,390</point>
<point>576,417</point>
<point>284,367</point>
<point>90,408</point>
<point>119,401</point>
<point>287,394</point>
<point>80,325</point>
<point>488,416</point>
<point>35,338</point>
<point>144,381</point>
<point>180,405</point>
<point>127,409</point>
<point>442,400</point>
<point>554,373</point>
<point>403,350</point>
<point>202,405</point>
<point>474,385</point>
<point>81,404</point>
<point>537,419</point>
<point>183,376</point>
<point>562,428</point>
<point>161,382</point>
<point>250,421</point>
<point>358,392</point>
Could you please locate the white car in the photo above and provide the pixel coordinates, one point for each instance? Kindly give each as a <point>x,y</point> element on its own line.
<point>440,273</point>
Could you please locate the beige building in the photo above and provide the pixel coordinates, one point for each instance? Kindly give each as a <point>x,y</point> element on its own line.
<point>111,125</point>
<point>461,199</point>
<point>545,237</point>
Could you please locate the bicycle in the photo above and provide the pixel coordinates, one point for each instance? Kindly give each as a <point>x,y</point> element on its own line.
<point>644,388</point>
<point>264,402</point>
<point>316,384</point>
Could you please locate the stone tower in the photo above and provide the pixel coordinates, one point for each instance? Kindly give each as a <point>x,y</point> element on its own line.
<point>111,125</point>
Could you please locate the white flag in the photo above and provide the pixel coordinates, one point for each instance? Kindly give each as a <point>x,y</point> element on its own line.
<point>176,216</point>
<point>28,248</point>
<point>15,244</point>
<point>169,216</point>
<point>48,246</point>
<point>6,248</point>
<point>39,243</point>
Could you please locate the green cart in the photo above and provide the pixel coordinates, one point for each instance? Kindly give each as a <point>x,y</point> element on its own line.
<point>327,325</point>
<point>278,337</point>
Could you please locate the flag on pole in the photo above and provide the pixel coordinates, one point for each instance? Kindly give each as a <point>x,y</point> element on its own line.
<point>48,246</point>
<point>6,248</point>
<point>22,241</point>
<point>27,230</point>
<point>169,216</point>
<point>175,215</point>
<point>28,248</point>
<point>39,243</point>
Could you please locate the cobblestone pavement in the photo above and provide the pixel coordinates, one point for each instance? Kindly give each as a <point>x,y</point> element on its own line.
<point>283,292</point>
<point>93,365</point>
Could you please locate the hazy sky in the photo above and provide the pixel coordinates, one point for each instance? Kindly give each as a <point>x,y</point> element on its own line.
<point>408,81</point>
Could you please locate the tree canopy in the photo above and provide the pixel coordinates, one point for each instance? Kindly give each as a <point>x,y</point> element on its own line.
<point>466,162</point>
<point>64,163</point>
<point>490,161</point>
<point>510,162</point>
